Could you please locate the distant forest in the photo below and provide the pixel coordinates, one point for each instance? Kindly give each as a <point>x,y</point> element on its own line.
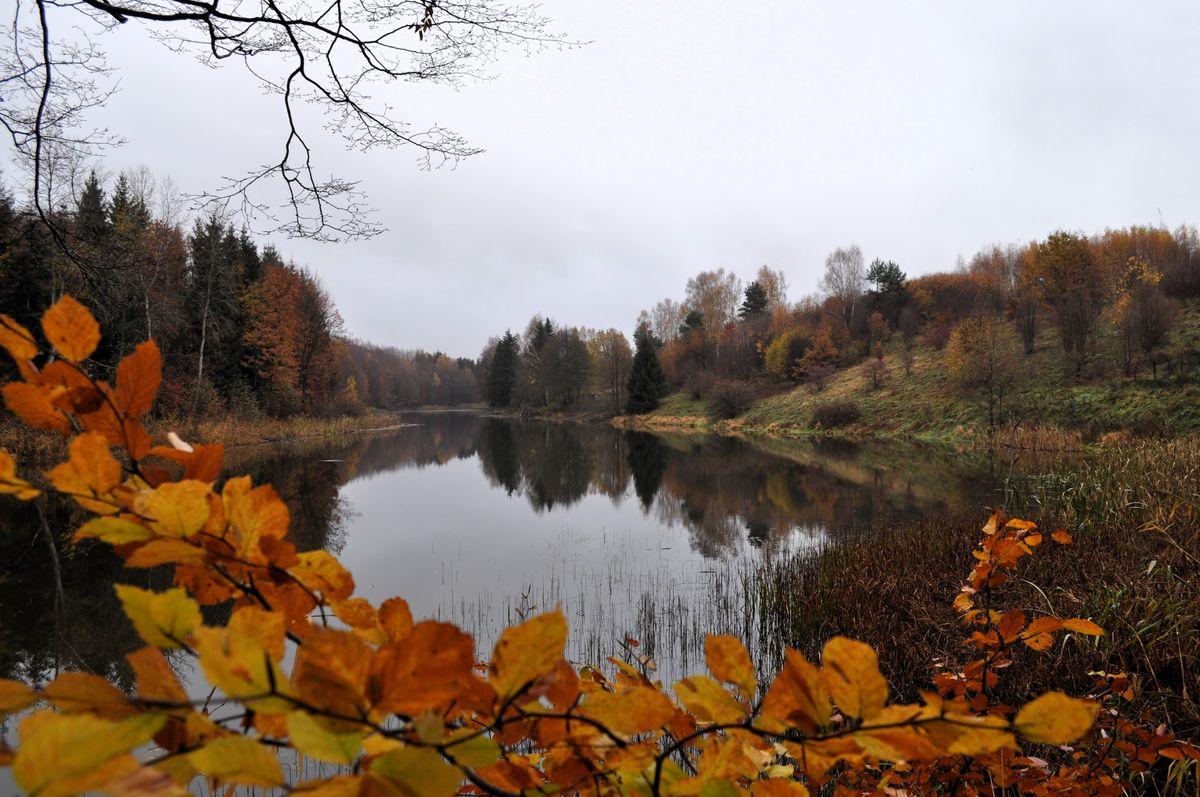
<point>244,332</point>
<point>241,330</point>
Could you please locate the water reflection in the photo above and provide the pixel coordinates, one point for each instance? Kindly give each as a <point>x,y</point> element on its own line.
<point>630,532</point>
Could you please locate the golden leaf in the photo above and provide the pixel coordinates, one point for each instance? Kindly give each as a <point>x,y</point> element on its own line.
<point>66,754</point>
<point>729,661</point>
<point>71,329</point>
<point>241,668</point>
<point>1081,626</point>
<point>850,674</point>
<point>162,619</point>
<point>709,701</point>
<point>238,759</point>
<point>114,531</point>
<point>418,772</point>
<point>1055,718</point>
<point>637,710</point>
<point>155,678</point>
<point>527,652</point>
<point>10,484</point>
<point>177,509</point>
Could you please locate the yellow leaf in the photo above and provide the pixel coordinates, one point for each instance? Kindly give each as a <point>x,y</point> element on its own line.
<point>309,737</point>
<point>241,668</point>
<point>177,509</point>
<point>64,754</point>
<point>1081,626</point>
<point>162,619</point>
<point>238,759</point>
<point>418,772</point>
<point>728,660</point>
<point>850,674</point>
<point>638,710</point>
<point>527,652</point>
<point>254,513</point>
<point>709,701</point>
<point>17,340</point>
<point>470,748</point>
<point>114,531</point>
<point>10,484</point>
<point>90,474</point>
<point>71,329</point>
<point>15,696</point>
<point>165,551</point>
<point>1055,718</point>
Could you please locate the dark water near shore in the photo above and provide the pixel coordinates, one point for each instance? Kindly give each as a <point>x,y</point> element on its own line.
<point>481,520</point>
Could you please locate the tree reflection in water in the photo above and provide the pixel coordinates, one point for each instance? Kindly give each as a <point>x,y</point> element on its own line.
<point>732,497</point>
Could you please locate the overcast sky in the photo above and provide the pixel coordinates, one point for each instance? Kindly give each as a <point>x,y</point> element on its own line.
<point>702,134</point>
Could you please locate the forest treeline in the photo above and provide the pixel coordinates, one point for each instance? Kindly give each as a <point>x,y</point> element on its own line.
<point>247,333</point>
<point>242,331</point>
<point>1111,299</point>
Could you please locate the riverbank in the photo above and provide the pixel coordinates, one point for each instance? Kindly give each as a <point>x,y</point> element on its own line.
<point>234,432</point>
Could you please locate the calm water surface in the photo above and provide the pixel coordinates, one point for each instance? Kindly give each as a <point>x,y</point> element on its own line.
<point>482,520</point>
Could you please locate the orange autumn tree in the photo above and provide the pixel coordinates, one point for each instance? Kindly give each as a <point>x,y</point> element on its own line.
<point>403,706</point>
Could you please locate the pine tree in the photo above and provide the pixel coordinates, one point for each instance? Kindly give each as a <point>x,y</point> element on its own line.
<point>647,383</point>
<point>755,303</point>
<point>503,374</point>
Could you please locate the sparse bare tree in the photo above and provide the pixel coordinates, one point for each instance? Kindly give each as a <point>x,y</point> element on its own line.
<point>844,277</point>
<point>336,55</point>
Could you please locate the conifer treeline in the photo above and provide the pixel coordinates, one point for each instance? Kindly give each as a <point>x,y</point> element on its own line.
<point>241,330</point>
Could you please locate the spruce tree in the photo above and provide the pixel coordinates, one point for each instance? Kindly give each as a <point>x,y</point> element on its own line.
<point>755,303</point>
<point>647,383</point>
<point>503,374</point>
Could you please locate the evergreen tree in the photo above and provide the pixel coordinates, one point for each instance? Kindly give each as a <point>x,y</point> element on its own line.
<point>692,322</point>
<point>755,303</point>
<point>91,217</point>
<point>647,383</point>
<point>503,374</point>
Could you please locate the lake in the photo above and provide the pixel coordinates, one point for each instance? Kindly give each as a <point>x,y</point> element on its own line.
<point>483,520</point>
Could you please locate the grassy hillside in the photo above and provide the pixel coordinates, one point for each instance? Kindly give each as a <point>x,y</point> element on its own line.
<point>926,404</point>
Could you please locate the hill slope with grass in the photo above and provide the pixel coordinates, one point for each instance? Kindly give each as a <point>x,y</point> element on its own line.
<point>926,403</point>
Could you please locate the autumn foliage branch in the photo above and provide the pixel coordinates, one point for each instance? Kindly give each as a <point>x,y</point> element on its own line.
<point>404,707</point>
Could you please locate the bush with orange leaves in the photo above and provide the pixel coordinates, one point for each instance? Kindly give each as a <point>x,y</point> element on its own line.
<point>404,708</point>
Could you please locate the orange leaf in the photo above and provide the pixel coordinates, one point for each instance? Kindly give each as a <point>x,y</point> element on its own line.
<point>1011,624</point>
<point>797,697</point>
<point>71,329</point>
<point>10,484</point>
<point>1061,536</point>
<point>138,378</point>
<point>17,340</point>
<point>1055,718</point>
<point>708,700</point>
<point>90,474</point>
<point>78,692</point>
<point>155,678</point>
<point>396,618</point>
<point>176,509</point>
<point>15,696</point>
<point>1081,626</point>
<point>34,404</point>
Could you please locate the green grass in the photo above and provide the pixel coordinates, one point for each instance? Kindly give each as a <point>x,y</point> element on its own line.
<point>927,405</point>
